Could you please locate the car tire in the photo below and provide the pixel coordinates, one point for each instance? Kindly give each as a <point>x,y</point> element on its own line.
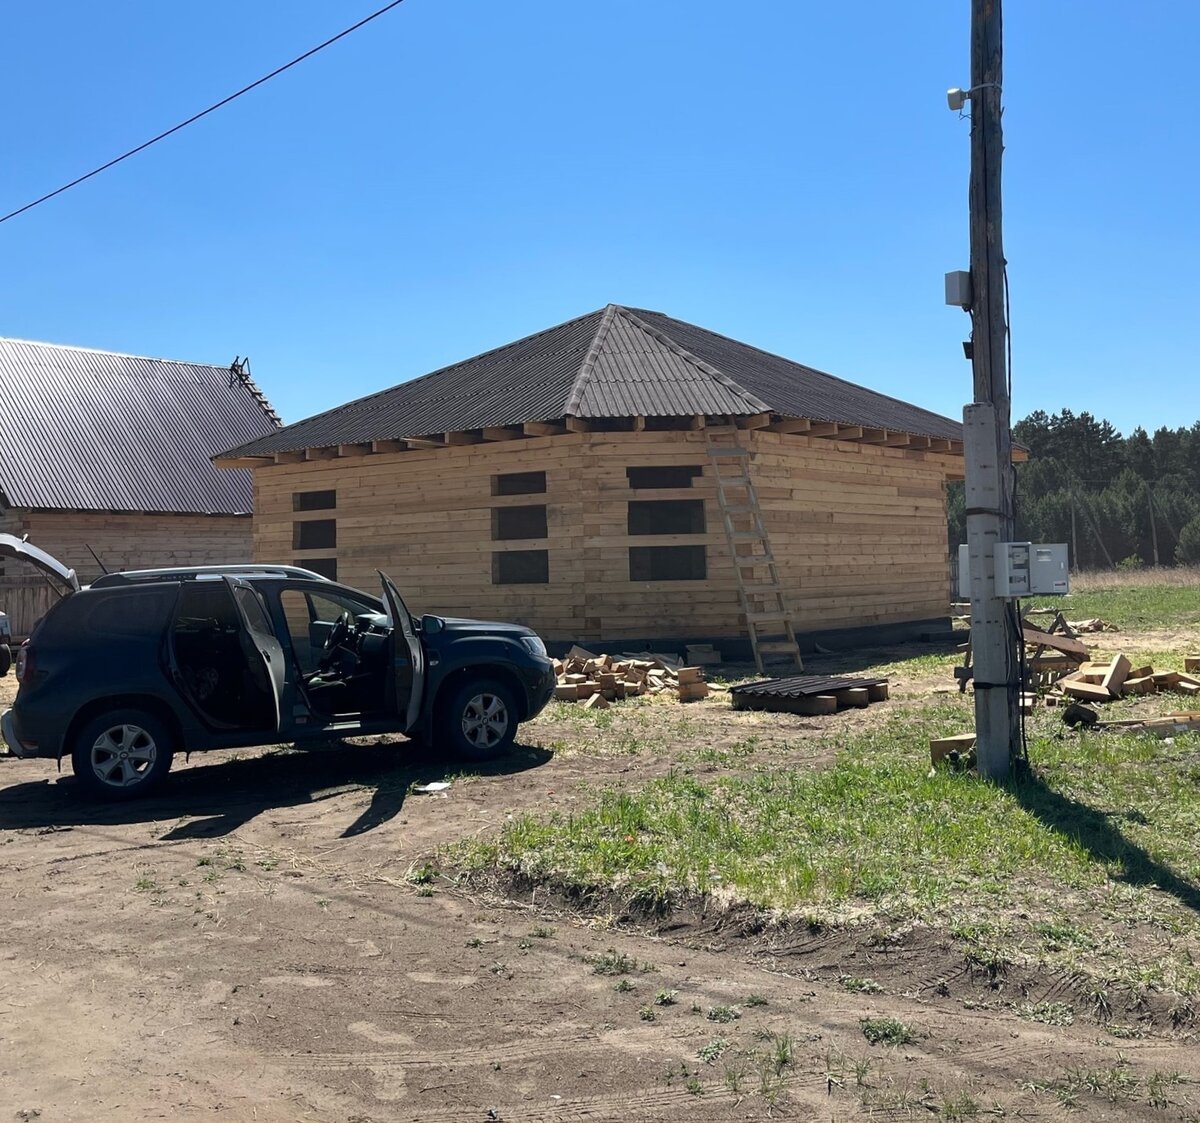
<point>121,754</point>
<point>478,720</point>
<point>5,659</point>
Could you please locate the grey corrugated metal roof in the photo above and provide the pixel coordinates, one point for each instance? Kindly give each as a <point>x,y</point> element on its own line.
<point>615,362</point>
<point>87,430</point>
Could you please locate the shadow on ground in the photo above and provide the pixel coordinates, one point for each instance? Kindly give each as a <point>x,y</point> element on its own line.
<point>219,797</point>
<point>1099,835</point>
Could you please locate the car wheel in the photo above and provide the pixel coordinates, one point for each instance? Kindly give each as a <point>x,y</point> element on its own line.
<point>122,754</point>
<point>479,720</point>
<point>5,659</point>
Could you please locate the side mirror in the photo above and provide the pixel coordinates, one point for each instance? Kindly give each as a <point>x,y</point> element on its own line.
<point>431,625</point>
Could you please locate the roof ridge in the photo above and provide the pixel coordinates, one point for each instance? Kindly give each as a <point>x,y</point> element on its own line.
<point>107,351</point>
<point>588,366</point>
<point>753,400</point>
<point>802,366</point>
<point>425,377</point>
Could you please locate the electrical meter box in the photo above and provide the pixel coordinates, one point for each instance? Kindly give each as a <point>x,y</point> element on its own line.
<point>1022,569</point>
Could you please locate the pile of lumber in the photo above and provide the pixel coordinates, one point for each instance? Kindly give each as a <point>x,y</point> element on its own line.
<point>597,680</point>
<point>1119,678</point>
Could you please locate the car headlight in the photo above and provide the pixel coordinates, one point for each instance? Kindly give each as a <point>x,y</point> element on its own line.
<point>534,645</point>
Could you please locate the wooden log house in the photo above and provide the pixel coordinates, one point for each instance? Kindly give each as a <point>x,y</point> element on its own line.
<point>107,458</point>
<point>579,481</point>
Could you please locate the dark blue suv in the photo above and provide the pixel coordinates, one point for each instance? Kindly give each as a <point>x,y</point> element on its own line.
<point>123,674</point>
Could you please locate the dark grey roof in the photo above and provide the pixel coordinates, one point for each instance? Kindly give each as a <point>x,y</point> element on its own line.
<point>616,362</point>
<point>86,430</point>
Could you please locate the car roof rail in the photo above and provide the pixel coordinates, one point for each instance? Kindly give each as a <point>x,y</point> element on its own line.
<point>193,572</point>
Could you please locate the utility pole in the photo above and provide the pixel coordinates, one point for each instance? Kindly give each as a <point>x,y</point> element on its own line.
<point>1153,527</point>
<point>987,422</point>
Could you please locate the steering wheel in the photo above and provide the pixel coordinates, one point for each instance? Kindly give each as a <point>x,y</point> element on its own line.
<point>343,628</point>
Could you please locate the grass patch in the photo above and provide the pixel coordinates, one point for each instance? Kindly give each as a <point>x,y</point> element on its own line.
<point>1130,603</point>
<point>1107,827</point>
<point>885,1031</point>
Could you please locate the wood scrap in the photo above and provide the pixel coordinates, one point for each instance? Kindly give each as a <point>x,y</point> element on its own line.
<point>585,676</point>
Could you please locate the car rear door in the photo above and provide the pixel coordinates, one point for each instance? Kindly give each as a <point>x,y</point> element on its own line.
<point>408,656</point>
<point>263,650</point>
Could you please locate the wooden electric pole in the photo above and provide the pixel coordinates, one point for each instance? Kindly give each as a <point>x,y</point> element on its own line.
<point>987,422</point>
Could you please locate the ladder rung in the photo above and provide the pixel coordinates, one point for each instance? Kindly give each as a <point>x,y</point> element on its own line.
<point>742,509</point>
<point>753,559</point>
<point>733,481</point>
<point>763,591</point>
<point>779,647</point>
<point>748,536</point>
<point>723,452</point>
<point>764,617</point>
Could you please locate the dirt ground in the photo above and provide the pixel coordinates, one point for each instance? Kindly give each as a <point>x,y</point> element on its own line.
<point>253,945</point>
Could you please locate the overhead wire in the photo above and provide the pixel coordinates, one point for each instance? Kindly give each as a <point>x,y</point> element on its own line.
<point>203,113</point>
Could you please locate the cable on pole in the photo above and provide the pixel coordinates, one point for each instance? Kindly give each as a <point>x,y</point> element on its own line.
<point>203,113</point>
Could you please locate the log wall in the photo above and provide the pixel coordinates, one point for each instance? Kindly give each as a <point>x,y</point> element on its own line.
<point>859,531</point>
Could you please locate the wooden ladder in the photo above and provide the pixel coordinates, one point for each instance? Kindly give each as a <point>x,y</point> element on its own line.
<point>764,602</point>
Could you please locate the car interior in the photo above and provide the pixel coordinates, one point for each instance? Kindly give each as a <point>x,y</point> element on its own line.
<point>341,649</point>
<point>222,670</point>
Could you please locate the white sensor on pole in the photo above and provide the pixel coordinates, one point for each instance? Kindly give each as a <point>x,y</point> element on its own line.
<point>956,99</point>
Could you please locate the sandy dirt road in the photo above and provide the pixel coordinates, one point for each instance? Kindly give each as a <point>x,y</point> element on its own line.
<point>264,941</point>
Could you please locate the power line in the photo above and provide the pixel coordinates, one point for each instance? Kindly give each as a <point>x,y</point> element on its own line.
<point>203,113</point>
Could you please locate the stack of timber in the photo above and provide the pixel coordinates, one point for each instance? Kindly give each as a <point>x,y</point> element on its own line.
<point>1119,678</point>
<point>808,694</point>
<point>597,680</point>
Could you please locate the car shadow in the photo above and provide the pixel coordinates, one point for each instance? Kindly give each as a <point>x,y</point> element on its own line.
<point>1098,834</point>
<point>220,797</point>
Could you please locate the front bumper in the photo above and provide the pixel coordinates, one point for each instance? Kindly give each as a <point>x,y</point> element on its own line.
<point>14,743</point>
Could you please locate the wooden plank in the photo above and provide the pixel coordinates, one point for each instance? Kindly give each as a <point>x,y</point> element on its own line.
<point>854,696</point>
<point>877,692</point>
<point>942,747</point>
<point>1091,692</point>
<point>1191,663</point>
<point>1143,684</point>
<point>1116,674</point>
<point>1064,644</point>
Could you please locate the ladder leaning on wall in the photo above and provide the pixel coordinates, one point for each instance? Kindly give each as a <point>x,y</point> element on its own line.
<point>769,621</point>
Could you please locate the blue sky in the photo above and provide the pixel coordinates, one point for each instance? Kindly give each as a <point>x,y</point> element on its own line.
<point>464,172</point>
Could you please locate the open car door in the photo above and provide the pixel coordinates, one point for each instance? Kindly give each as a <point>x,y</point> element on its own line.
<point>408,656</point>
<point>264,652</point>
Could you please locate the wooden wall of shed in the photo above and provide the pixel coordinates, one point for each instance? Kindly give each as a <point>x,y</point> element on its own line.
<point>133,541</point>
<point>859,531</point>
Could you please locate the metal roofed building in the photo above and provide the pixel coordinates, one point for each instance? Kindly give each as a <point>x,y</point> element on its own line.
<point>575,480</point>
<point>112,453</point>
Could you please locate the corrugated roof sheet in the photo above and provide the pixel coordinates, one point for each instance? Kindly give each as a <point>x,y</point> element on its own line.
<point>87,430</point>
<point>615,362</point>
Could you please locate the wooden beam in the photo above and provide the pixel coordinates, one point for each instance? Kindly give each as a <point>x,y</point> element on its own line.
<point>295,457</point>
<point>939,444</point>
<point>956,447</point>
<point>695,423</point>
<point>388,446</point>
<point>639,424</point>
<point>898,440</point>
<point>543,429</point>
<point>324,453</point>
<point>578,425</point>
<point>430,441</point>
<point>918,442</point>
<point>754,421</point>
<point>1019,455</point>
<point>463,437</point>
<point>353,450</point>
<point>500,433</point>
<point>823,429</point>
<point>791,425</point>
<point>243,461</point>
<point>874,436</point>
<point>849,432</point>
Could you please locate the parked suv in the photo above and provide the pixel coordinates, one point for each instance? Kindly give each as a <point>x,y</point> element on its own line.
<point>125,673</point>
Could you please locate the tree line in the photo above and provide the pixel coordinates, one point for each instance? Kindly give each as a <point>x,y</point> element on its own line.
<point>1116,501</point>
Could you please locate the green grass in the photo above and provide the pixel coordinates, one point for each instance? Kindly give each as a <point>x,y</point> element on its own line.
<point>1108,827</point>
<point>1132,606</point>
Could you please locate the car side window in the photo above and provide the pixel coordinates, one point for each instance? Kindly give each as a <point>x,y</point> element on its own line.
<point>310,616</point>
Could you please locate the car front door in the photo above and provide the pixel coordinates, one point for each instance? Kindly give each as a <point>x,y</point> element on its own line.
<point>408,656</point>
<point>262,648</point>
